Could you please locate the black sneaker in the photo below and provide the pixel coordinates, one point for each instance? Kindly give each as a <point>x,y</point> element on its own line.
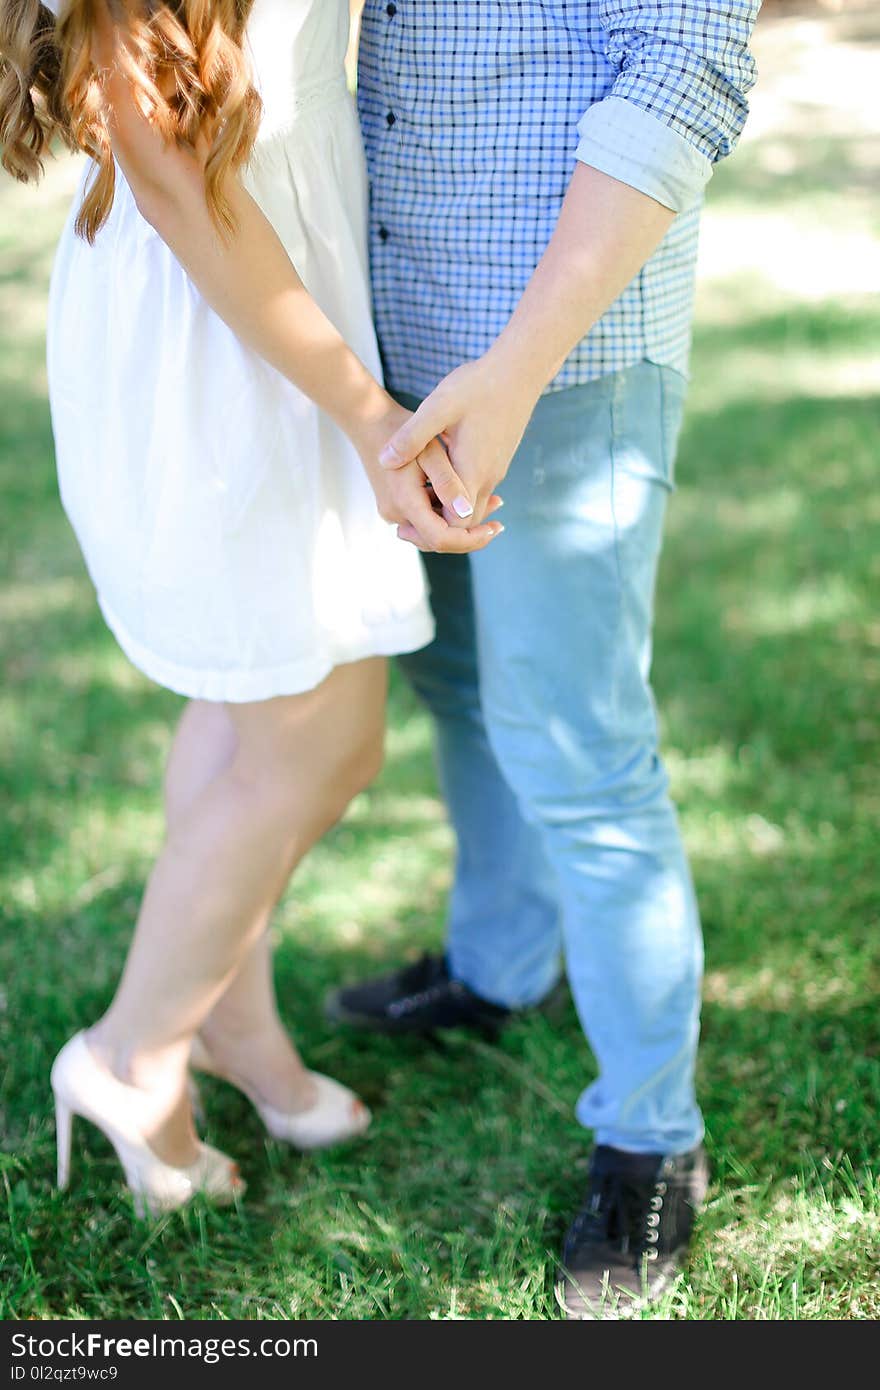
<point>420,998</point>
<point>627,1241</point>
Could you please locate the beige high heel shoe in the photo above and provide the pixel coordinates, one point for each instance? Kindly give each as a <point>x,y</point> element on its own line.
<point>337,1115</point>
<point>84,1087</point>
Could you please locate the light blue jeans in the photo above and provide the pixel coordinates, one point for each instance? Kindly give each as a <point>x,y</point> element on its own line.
<point>547,739</point>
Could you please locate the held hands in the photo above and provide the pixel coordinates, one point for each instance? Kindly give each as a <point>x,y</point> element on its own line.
<point>481,417</point>
<point>424,497</point>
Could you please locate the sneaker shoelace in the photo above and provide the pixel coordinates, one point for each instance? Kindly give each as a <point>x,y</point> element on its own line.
<point>423,981</point>
<point>622,1214</point>
<point>427,970</point>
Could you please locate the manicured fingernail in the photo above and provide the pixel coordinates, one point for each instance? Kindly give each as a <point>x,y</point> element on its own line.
<point>462,507</point>
<point>389,455</point>
<point>498,529</point>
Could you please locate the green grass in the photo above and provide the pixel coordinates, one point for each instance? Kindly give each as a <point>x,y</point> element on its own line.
<point>768,672</point>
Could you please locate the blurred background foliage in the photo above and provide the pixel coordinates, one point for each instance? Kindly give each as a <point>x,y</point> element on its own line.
<point>768,675</point>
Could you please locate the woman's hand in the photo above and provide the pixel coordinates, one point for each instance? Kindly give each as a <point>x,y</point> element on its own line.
<point>481,412</point>
<point>424,498</point>
<point>248,279</point>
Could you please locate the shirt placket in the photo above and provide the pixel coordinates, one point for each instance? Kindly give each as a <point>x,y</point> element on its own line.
<point>392,21</point>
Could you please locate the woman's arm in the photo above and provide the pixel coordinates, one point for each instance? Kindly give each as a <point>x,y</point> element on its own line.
<point>248,279</point>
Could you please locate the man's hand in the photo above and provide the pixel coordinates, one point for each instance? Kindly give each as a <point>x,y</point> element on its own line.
<point>481,419</point>
<point>424,514</point>
<point>606,232</point>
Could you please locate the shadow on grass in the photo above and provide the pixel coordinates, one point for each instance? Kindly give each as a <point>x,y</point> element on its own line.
<point>476,1162</point>
<point>442,1189</point>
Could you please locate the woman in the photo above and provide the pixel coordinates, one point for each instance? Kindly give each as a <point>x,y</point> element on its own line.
<point>217,423</point>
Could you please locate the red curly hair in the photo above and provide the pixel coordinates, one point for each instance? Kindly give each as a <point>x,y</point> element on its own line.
<point>184,60</point>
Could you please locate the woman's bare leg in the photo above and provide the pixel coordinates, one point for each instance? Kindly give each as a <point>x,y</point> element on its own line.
<point>247,1039</point>
<point>243,1032</point>
<point>296,764</point>
<point>203,747</point>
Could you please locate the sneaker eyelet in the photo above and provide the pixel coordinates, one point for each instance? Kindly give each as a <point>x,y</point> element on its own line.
<point>652,1236</point>
<point>651,1254</point>
<point>656,1203</point>
<point>652,1218</point>
<point>660,1188</point>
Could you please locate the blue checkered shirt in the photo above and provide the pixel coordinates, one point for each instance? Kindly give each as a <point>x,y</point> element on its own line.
<point>474,112</point>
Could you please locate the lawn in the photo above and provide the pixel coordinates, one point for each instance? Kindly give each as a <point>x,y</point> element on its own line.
<point>768,675</point>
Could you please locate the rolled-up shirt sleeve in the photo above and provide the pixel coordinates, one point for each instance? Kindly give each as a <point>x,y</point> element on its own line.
<point>678,103</point>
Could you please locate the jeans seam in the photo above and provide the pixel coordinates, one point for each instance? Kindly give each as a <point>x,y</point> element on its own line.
<point>670,444</point>
<point>615,409</point>
<point>664,442</point>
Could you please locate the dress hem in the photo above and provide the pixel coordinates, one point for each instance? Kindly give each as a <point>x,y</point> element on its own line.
<point>294,678</point>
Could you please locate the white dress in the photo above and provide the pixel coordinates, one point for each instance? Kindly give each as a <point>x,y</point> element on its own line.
<point>227,525</point>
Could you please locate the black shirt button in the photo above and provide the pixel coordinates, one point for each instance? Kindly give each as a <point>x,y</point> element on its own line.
<point>384,234</point>
<point>391,10</point>
<point>391,118</point>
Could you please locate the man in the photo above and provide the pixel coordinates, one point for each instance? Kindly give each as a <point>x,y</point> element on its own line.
<point>576,138</point>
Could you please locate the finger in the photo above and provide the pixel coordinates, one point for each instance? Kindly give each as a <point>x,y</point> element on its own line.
<point>494,504</point>
<point>429,493</point>
<point>406,532</point>
<point>412,501</point>
<point>448,487</point>
<point>483,509</point>
<point>478,537</point>
<point>416,503</point>
<point>418,432</point>
<point>451,540</point>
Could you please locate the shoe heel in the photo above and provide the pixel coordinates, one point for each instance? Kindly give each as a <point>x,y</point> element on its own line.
<point>63,1140</point>
<point>141,1210</point>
